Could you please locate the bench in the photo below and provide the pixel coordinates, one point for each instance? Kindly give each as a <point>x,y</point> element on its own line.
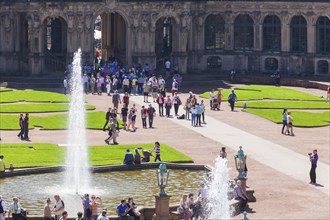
<point>177,215</point>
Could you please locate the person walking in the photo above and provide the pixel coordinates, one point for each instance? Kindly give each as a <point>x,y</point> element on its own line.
<point>168,106</point>
<point>160,101</point>
<point>21,123</point>
<point>144,117</point>
<point>313,157</point>
<point>26,127</point>
<point>219,98</point>
<point>232,98</point>
<point>116,99</point>
<point>176,102</point>
<point>151,114</point>
<point>199,112</point>
<point>107,118</point>
<point>284,120</point>
<point>290,124</point>
<point>157,151</point>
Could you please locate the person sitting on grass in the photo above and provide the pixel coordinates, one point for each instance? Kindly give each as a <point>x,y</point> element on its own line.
<point>129,158</point>
<point>146,155</point>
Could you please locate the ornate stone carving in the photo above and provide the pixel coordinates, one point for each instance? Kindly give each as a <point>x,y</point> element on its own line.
<point>145,21</point>
<point>88,21</point>
<point>71,21</point>
<point>7,21</point>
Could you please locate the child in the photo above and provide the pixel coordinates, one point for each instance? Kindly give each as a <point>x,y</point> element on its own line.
<point>157,151</point>
<point>193,116</point>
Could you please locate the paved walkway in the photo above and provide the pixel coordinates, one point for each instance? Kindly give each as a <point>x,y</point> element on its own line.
<point>273,155</point>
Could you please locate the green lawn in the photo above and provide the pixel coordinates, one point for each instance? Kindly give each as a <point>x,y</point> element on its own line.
<point>288,105</point>
<point>4,89</point>
<point>37,108</point>
<point>32,96</point>
<point>300,118</point>
<point>95,120</point>
<point>43,154</point>
<point>266,92</point>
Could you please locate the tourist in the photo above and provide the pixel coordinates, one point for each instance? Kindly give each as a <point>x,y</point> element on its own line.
<point>146,155</point>
<point>151,114</point>
<point>108,84</point>
<point>137,156</point>
<point>98,85</point>
<point>134,117</point>
<point>175,87</point>
<point>124,113</point>
<point>145,92</point>
<point>65,85</point>
<point>94,204</point>
<point>184,204</point>
<point>157,151</point>
<point>26,127</point>
<point>223,153</point>
<point>113,132</point>
<point>107,118</point>
<point>328,94</point>
<point>240,195</point>
<point>134,87</point>
<point>193,115</point>
<point>199,111</point>
<point>160,102</point>
<point>187,108</point>
<point>212,97</point>
<point>290,124</point>
<point>116,99</point>
<point>203,194</point>
<point>122,210</point>
<point>193,100</point>
<point>162,90</point>
<point>232,98</point>
<point>92,82</point>
<point>59,207</point>
<point>64,215</point>
<point>47,210</point>
<point>144,116</point>
<point>102,83</point>
<point>21,125</point>
<point>202,105</point>
<point>129,158</point>
<point>87,208</point>
<point>126,99</point>
<point>115,83</point>
<point>168,106</point>
<point>313,157</point>
<point>140,83</point>
<point>103,215</point>
<point>3,208</point>
<point>284,120</point>
<point>132,209</point>
<point>16,210</point>
<point>79,216</point>
<point>125,84</point>
<point>176,102</point>
<point>168,67</point>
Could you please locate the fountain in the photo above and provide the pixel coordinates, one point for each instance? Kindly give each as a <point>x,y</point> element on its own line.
<point>217,204</point>
<point>77,174</point>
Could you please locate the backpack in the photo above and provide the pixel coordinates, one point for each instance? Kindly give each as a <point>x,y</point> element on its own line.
<point>1,208</point>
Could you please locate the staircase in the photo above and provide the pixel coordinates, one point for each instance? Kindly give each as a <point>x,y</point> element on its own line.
<point>49,82</point>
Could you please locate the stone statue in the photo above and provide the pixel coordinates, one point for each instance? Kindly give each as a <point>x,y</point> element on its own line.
<point>88,21</point>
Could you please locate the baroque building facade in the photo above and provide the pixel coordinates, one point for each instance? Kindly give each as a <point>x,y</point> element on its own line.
<point>293,37</point>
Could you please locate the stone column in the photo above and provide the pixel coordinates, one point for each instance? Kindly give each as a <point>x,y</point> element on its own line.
<point>311,29</point>
<point>162,209</point>
<point>285,32</point>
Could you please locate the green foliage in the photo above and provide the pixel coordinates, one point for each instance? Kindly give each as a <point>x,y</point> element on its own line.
<point>37,108</point>
<point>32,96</point>
<point>300,118</point>
<point>288,105</point>
<point>266,92</point>
<point>44,154</point>
<point>95,120</point>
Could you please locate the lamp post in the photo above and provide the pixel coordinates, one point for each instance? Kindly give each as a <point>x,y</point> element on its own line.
<point>162,206</point>
<point>162,178</point>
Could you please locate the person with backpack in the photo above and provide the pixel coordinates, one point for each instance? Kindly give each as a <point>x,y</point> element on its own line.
<point>59,207</point>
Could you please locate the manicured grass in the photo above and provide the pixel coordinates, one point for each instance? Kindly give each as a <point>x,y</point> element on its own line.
<point>95,120</point>
<point>266,92</point>
<point>4,89</point>
<point>36,108</point>
<point>32,96</point>
<point>43,154</point>
<point>288,104</point>
<point>300,118</point>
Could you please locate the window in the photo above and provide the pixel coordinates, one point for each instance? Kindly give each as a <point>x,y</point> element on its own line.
<point>214,62</point>
<point>323,35</point>
<point>271,64</point>
<point>298,34</point>
<point>272,33</point>
<point>214,33</point>
<point>243,33</point>
<point>323,67</point>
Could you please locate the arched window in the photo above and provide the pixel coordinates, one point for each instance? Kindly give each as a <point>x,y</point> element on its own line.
<point>272,33</point>
<point>298,34</point>
<point>323,35</point>
<point>243,33</point>
<point>322,67</point>
<point>54,35</point>
<point>214,33</point>
<point>271,64</point>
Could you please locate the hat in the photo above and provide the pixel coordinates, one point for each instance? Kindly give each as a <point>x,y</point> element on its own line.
<point>104,211</point>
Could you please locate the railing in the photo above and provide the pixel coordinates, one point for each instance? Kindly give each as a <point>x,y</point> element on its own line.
<point>54,63</point>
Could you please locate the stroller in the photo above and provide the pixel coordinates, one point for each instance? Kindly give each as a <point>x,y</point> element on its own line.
<point>215,105</point>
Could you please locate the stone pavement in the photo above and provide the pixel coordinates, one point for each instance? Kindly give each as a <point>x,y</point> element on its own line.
<point>279,195</point>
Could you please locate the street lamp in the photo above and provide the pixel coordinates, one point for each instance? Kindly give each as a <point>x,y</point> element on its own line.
<point>162,177</point>
<point>240,161</point>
